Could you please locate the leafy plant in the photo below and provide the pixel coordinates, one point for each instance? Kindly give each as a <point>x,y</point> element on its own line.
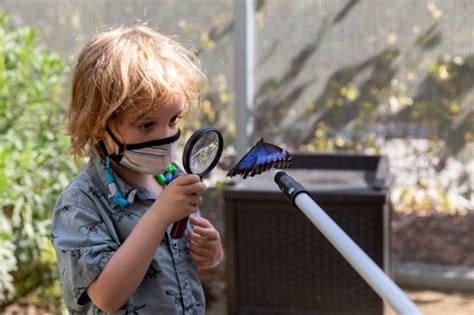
<point>34,164</point>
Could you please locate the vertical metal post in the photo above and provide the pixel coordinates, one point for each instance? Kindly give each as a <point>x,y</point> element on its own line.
<point>244,40</point>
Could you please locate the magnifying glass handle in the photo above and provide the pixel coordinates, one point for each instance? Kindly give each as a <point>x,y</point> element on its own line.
<point>177,231</point>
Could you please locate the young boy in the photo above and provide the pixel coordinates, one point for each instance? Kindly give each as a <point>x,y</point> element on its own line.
<point>111,225</point>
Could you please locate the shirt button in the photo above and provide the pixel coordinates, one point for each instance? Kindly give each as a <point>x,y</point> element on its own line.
<point>186,284</point>
<point>174,244</point>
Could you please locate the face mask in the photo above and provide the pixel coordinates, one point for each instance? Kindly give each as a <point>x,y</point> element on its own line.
<point>151,157</point>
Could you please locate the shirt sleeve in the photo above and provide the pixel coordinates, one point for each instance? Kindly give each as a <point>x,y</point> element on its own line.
<point>83,245</point>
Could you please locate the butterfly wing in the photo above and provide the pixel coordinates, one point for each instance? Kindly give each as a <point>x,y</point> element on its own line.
<point>261,157</point>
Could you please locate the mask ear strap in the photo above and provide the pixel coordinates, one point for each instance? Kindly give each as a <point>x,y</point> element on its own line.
<point>109,176</point>
<point>103,148</point>
<point>120,144</point>
<point>115,157</point>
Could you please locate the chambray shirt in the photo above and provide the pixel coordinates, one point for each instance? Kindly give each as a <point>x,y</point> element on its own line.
<point>88,227</point>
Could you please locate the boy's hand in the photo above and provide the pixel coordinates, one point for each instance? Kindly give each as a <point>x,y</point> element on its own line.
<point>205,243</point>
<point>180,198</point>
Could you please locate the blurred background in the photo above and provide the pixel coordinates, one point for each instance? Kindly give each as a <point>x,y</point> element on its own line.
<point>376,77</point>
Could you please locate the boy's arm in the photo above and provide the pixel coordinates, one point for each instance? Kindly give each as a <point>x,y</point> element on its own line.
<point>127,267</point>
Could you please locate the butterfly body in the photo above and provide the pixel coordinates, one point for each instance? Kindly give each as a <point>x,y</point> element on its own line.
<point>261,157</point>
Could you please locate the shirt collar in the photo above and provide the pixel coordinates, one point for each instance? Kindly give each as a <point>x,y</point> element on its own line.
<point>96,168</point>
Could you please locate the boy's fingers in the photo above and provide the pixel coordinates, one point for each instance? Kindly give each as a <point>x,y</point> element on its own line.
<point>202,251</point>
<point>203,266</point>
<point>198,258</point>
<point>187,179</point>
<point>209,233</point>
<point>195,200</point>
<point>200,221</point>
<point>197,240</point>
<point>194,188</point>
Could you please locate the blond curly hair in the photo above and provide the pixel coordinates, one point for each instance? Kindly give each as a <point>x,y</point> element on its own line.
<point>128,69</point>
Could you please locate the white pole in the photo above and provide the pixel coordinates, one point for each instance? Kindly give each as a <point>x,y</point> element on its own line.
<point>244,67</point>
<point>361,262</point>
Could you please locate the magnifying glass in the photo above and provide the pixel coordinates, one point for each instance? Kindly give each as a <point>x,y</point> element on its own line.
<point>201,154</point>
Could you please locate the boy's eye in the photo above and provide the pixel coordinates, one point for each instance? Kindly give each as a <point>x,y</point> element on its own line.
<point>147,126</point>
<point>174,120</point>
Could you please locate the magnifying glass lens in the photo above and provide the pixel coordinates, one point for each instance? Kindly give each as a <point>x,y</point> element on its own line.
<point>201,154</point>
<point>204,153</point>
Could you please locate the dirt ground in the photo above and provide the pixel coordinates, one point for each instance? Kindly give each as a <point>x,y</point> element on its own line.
<point>441,303</point>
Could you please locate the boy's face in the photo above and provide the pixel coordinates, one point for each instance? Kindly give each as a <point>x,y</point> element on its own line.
<point>154,125</point>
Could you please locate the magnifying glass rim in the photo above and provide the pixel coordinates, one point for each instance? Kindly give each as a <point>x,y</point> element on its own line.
<point>192,142</point>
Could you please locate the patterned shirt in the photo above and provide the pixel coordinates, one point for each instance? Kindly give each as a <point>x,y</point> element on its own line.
<point>88,227</point>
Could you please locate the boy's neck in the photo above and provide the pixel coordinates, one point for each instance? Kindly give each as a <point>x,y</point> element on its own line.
<point>146,181</point>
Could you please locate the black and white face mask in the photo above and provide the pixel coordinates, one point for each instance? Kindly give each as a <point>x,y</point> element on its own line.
<point>150,157</point>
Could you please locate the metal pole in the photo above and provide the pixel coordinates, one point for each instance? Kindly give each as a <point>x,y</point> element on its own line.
<point>359,260</point>
<point>244,39</point>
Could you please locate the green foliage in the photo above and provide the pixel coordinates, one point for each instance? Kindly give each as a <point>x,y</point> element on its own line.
<point>34,164</point>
